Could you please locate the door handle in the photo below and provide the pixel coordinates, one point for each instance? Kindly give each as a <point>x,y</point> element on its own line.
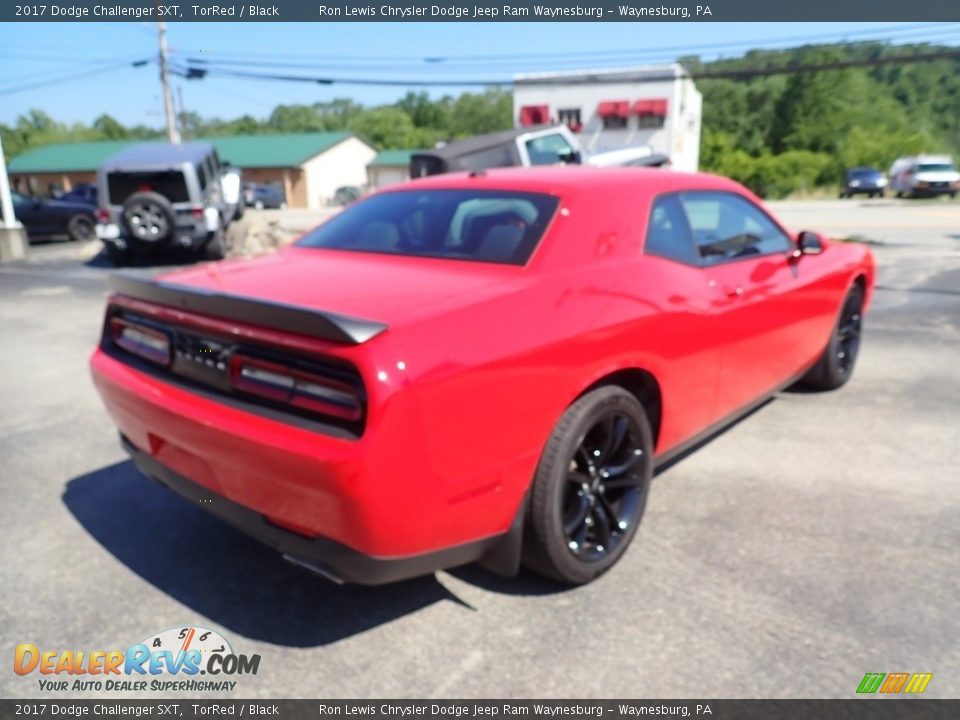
<point>732,292</point>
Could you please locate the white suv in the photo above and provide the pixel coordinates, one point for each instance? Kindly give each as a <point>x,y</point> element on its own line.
<point>924,175</point>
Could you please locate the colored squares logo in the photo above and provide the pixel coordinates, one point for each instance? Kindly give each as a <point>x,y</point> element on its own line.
<point>894,683</point>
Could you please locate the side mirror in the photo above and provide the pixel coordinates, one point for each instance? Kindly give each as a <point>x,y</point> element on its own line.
<point>808,243</point>
<point>571,157</point>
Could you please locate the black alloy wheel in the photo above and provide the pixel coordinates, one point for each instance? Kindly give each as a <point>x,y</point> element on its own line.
<point>836,364</point>
<point>848,332</point>
<point>590,488</point>
<point>605,487</point>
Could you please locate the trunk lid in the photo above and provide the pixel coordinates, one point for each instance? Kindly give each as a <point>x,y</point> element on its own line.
<point>389,289</point>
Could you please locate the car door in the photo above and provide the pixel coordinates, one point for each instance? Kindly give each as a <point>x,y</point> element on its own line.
<point>684,332</point>
<point>761,295</point>
<point>31,213</point>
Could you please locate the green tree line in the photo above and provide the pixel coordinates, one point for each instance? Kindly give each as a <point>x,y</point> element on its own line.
<point>777,134</point>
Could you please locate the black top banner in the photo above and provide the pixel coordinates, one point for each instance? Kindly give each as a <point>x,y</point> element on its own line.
<point>479,11</point>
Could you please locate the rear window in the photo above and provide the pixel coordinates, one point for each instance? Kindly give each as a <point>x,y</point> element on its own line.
<point>485,226</point>
<point>170,184</point>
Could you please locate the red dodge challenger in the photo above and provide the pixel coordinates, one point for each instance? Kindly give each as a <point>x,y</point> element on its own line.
<point>477,367</point>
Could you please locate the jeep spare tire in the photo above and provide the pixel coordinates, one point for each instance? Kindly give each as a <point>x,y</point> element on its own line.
<point>148,217</point>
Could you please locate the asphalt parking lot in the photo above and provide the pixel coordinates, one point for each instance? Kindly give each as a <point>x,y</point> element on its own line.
<point>812,542</point>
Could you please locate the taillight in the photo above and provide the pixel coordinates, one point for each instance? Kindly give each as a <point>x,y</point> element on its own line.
<point>197,212</point>
<point>141,340</point>
<point>103,216</point>
<point>301,389</point>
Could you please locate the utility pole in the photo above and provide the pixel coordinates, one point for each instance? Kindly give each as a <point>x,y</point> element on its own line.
<point>172,134</point>
<point>182,114</point>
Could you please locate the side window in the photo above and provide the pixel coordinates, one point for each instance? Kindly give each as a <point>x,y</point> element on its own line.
<point>548,149</point>
<point>668,233</point>
<point>727,227</point>
<point>202,175</point>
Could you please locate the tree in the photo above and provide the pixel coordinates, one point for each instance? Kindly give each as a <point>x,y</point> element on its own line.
<point>385,127</point>
<point>109,128</point>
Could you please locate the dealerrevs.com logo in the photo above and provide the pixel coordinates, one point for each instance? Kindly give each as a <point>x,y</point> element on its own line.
<point>169,661</point>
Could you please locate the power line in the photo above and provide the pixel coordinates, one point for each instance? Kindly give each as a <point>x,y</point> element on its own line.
<point>586,78</point>
<point>840,36</point>
<point>393,69</point>
<point>68,78</point>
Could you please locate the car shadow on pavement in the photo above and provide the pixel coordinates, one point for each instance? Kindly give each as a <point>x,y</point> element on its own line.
<point>221,574</point>
<point>171,259</point>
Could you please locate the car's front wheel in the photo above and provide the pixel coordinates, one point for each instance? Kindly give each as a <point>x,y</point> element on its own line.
<point>590,488</point>
<point>835,366</point>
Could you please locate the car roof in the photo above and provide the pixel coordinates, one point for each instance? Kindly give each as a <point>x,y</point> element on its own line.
<point>572,180</point>
<point>155,154</point>
<point>470,145</point>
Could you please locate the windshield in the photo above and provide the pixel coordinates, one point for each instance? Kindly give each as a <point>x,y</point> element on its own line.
<point>864,173</point>
<point>487,226</point>
<point>935,167</point>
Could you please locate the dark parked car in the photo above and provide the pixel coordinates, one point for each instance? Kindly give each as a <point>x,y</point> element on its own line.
<point>259,196</point>
<point>864,180</point>
<point>83,192</point>
<point>42,216</point>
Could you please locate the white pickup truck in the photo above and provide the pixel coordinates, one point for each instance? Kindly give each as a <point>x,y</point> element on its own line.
<point>545,145</point>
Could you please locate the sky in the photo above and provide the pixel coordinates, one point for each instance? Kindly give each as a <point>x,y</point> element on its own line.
<point>93,52</point>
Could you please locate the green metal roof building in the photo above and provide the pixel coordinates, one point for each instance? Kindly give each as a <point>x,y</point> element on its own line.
<point>310,166</point>
<point>389,167</point>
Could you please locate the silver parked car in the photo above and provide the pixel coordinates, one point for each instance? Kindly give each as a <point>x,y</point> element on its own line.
<point>924,175</point>
<point>158,196</point>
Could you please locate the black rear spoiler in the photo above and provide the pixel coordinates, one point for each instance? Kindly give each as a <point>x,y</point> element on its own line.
<point>278,316</point>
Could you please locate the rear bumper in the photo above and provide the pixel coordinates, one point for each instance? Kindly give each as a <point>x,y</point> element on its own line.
<point>365,510</point>
<point>323,556</point>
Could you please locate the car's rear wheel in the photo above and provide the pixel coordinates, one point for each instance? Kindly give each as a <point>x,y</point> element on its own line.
<point>835,366</point>
<point>81,228</point>
<point>591,486</point>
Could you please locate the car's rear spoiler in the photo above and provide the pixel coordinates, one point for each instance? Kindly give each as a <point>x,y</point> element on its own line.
<point>278,316</point>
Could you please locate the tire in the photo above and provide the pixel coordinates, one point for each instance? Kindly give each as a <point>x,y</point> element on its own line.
<point>578,526</point>
<point>148,217</point>
<point>953,196</point>
<point>216,247</point>
<point>839,358</point>
<point>81,228</point>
